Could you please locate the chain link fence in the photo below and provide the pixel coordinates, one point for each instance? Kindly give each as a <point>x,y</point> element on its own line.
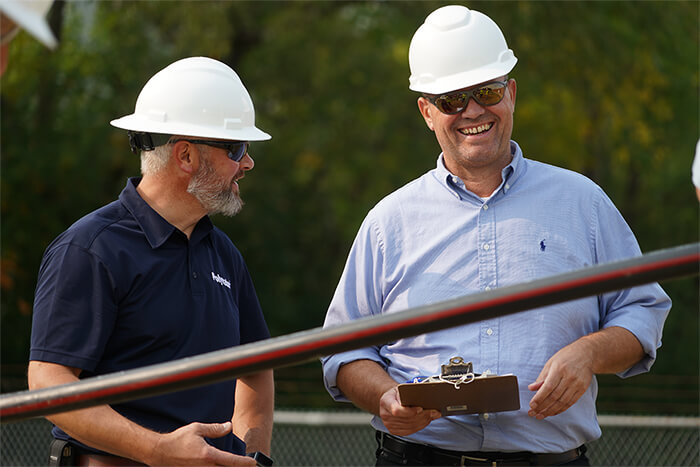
<point>346,439</point>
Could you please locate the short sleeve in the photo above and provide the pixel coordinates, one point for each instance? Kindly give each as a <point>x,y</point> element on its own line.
<point>74,308</point>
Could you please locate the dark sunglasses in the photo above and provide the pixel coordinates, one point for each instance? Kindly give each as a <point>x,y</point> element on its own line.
<point>455,102</point>
<point>236,149</point>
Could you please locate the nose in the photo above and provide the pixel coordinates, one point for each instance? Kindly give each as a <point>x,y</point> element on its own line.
<point>473,109</point>
<point>247,163</point>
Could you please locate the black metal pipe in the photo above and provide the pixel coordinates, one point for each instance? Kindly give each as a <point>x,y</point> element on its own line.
<point>307,345</point>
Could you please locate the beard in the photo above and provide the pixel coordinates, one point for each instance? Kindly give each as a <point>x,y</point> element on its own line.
<point>216,194</point>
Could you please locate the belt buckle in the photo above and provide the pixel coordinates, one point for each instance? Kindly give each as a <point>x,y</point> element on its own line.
<point>483,460</point>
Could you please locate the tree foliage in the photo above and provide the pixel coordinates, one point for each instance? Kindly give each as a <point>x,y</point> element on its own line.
<point>609,89</point>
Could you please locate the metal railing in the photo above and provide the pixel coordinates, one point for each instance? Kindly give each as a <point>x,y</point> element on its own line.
<point>303,346</point>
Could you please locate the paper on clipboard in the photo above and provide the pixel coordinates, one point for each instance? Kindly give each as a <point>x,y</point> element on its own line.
<point>453,394</point>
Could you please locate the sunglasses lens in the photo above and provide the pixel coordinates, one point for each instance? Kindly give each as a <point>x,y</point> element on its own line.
<point>451,103</point>
<point>238,151</point>
<point>491,94</point>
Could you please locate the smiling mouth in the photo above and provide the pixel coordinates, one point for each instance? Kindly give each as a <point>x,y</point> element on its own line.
<point>477,130</point>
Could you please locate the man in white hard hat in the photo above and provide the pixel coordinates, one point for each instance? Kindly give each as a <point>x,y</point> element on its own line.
<point>29,15</point>
<point>149,279</point>
<point>487,217</point>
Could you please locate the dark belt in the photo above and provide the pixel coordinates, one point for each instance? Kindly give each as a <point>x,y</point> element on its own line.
<point>421,454</point>
<point>69,454</point>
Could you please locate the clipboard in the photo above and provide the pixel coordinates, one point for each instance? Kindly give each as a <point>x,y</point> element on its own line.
<point>458,390</point>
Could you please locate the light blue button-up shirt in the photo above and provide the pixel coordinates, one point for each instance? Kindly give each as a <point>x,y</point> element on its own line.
<point>433,240</point>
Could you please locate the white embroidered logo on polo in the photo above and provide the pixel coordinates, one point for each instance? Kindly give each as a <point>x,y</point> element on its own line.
<point>217,278</point>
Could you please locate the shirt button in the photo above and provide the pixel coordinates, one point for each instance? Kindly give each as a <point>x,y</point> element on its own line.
<point>194,275</point>
<point>489,331</point>
<point>486,207</point>
<point>486,246</point>
<point>486,416</point>
<point>487,288</point>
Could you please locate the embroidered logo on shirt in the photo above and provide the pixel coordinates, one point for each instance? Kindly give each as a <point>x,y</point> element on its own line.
<point>542,245</point>
<point>220,280</point>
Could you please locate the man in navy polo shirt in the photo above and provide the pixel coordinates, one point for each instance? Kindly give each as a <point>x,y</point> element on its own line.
<point>148,279</point>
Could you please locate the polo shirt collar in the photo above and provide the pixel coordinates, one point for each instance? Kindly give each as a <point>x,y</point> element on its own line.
<point>156,229</point>
<point>510,173</point>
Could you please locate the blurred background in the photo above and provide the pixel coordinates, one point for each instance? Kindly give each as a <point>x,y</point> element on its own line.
<point>608,89</point>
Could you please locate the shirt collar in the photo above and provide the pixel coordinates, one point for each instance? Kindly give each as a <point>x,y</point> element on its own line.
<point>509,174</point>
<point>155,227</point>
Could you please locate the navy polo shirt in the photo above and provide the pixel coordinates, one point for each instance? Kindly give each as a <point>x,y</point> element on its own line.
<point>123,288</point>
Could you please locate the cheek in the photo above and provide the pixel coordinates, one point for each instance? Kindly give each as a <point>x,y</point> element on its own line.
<point>227,168</point>
<point>508,123</point>
<point>231,172</point>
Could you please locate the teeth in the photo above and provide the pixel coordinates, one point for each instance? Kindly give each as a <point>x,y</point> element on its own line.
<point>476,130</point>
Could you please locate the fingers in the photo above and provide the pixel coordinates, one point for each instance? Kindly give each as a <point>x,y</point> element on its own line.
<point>557,403</point>
<point>228,459</point>
<point>402,420</point>
<point>245,460</point>
<point>187,446</point>
<point>544,387</point>
<point>562,381</point>
<point>215,456</point>
<point>551,398</point>
<point>214,430</point>
<point>409,421</point>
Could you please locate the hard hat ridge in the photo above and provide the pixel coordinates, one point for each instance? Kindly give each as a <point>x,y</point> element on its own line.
<point>195,96</point>
<point>449,17</point>
<point>456,48</point>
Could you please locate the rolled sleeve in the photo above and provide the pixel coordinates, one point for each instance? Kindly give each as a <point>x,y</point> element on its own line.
<point>641,310</point>
<point>359,294</point>
<point>332,363</point>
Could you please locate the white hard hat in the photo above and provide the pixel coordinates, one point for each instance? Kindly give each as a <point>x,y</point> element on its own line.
<point>196,96</point>
<point>456,48</point>
<point>30,16</point>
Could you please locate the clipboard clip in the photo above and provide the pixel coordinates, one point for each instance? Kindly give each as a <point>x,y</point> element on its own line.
<point>457,367</point>
<point>457,372</point>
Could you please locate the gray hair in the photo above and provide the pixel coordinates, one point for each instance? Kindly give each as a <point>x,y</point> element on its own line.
<point>155,160</point>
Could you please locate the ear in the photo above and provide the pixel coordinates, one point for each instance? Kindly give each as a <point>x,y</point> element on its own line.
<point>185,157</point>
<point>425,108</point>
<point>512,88</point>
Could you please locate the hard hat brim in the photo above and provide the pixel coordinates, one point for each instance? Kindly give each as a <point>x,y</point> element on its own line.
<point>137,123</point>
<point>463,80</point>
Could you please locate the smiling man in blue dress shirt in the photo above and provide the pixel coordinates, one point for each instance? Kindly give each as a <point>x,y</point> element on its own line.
<point>488,217</point>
